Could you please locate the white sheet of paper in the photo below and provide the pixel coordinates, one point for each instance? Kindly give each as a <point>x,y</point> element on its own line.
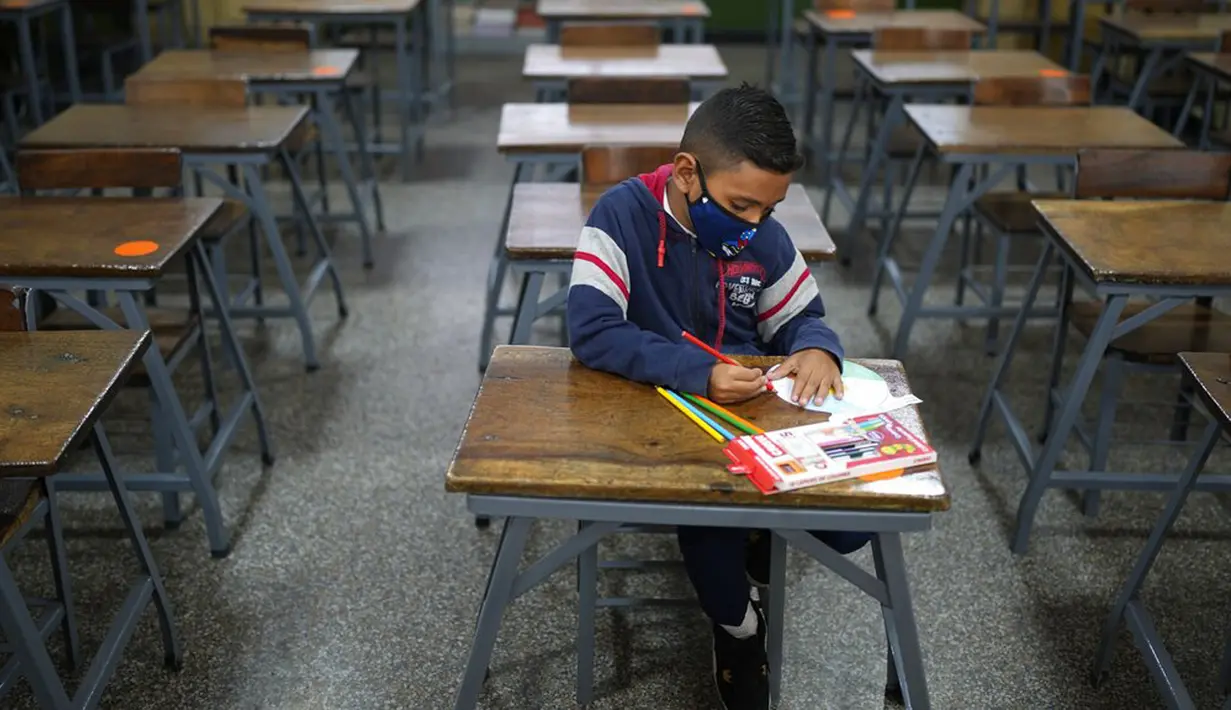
<point>865,393</point>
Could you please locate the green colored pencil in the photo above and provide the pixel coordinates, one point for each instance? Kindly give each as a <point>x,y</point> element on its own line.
<point>733,420</point>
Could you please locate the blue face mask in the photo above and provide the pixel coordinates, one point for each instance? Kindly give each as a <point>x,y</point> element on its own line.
<point>718,231</point>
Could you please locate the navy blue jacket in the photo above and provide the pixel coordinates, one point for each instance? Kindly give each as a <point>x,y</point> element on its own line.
<point>640,280</point>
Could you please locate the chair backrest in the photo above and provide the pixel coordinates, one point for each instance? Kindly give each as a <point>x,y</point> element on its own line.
<point>628,91</point>
<point>12,309</point>
<point>99,168</point>
<point>605,165</point>
<point>625,34</point>
<point>920,39</point>
<point>1224,43</point>
<point>1063,90</point>
<point>1163,6</point>
<point>1153,174</point>
<point>855,5</point>
<point>272,38</point>
<point>200,93</point>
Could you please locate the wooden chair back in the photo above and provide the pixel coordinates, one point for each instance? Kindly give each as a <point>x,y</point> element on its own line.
<point>12,309</point>
<point>99,168</point>
<point>1163,6</point>
<point>835,6</point>
<point>605,165</point>
<point>921,39</point>
<point>1224,43</point>
<point>1153,174</point>
<point>625,34</point>
<point>270,38</point>
<point>201,93</point>
<point>629,91</point>
<point>1062,90</point>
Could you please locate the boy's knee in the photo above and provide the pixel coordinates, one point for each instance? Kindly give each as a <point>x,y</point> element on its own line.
<point>844,543</point>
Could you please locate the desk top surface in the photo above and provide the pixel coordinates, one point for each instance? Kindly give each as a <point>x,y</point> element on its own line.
<point>97,237</point>
<point>1212,373</point>
<point>253,129</point>
<point>1021,130</point>
<point>952,67</point>
<point>307,8</point>
<point>693,61</point>
<point>622,9</point>
<point>543,425</point>
<point>1214,62</point>
<point>564,128</point>
<point>1164,26</point>
<point>546,219</point>
<point>1159,242</point>
<point>316,65</point>
<point>53,387</point>
<point>854,22</point>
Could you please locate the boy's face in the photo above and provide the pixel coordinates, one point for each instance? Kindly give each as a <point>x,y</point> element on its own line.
<point>746,191</point>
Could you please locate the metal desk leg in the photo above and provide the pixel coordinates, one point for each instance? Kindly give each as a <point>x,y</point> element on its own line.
<point>587,600</point>
<point>421,87</point>
<point>26,643</point>
<point>366,162</point>
<point>141,20</point>
<point>1077,32</point>
<point>1207,119</point>
<point>893,679</point>
<point>1148,68</point>
<point>808,99</point>
<point>829,79</point>
<point>59,572</point>
<point>29,67</point>
<point>1075,393</point>
<point>786,49</point>
<point>900,620</point>
<point>70,52</point>
<point>499,594</point>
<point>331,136</point>
<point>771,36</point>
<point>878,155</point>
<point>406,94</point>
<point>1149,643</point>
<point>885,244</point>
<point>1109,395</point>
<point>862,98</point>
<point>775,613</point>
<point>1186,111</point>
<point>324,253</point>
<point>496,273</point>
<point>992,395</point>
<point>527,307</point>
<point>1059,337</point>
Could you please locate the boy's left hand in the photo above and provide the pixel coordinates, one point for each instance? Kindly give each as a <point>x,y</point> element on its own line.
<point>815,371</point>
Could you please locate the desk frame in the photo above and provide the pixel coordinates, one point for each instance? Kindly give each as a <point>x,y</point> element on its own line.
<point>888,585</point>
<point>22,18</point>
<point>1156,61</point>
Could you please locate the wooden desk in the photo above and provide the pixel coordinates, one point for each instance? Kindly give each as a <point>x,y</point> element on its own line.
<point>1041,131</point>
<point>63,246</point>
<point>545,220</point>
<point>317,65</point>
<point>556,129</point>
<point>409,66</point>
<point>549,438</point>
<point>693,61</point>
<point>1210,373</point>
<point>1134,266</point>
<point>1161,36</point>
<point>890,68</point>
<point>53,389</point>
<point>248,138</point>
<point>686,18</point>
<point>836,30</point>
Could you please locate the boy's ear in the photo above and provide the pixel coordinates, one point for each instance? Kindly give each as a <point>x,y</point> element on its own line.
<point>685,171</point>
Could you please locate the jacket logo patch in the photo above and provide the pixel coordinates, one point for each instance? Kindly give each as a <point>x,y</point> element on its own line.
<point>742,291</point>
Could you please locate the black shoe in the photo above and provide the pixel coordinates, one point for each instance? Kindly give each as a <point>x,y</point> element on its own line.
<point>741,669</point>
<point>756,562</point>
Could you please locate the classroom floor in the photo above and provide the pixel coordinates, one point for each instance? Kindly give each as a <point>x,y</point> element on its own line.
<point>355,579</point>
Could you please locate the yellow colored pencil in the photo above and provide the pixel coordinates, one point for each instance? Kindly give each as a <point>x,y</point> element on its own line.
<point>729,415</point>
<point>708,429</point>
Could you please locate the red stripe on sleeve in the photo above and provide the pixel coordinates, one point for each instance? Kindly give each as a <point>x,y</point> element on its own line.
<point>790,294</point>
<point>611,274</point>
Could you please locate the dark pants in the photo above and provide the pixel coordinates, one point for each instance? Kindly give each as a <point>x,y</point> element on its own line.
<point>715,560</point>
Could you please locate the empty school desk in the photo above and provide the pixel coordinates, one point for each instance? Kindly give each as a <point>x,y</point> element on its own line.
<point>921,77</point>
<point>1210,373</point>
<point>837,29</point>
<point>22,14</point>
<point>408,67</point>
<point>320,74</point>
<point>1164,250</point>
<point>550,66</point>
<point>969,137</point>
<point>53,389</point>
<point>1161,37</point>
<point>249,138</point>
<point>549,438</point>
<point>685,18</point>
<point>63,246</point>
<point>1210,69</point>
<point>546,218</point>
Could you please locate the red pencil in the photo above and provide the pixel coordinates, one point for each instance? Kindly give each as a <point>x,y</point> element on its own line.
<point>698,342</point>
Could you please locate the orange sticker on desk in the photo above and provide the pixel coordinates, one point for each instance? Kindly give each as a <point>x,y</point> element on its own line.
<point>138,248</point>
<point>691,9</point>
<point>840,14</point>
<point>1053,73</point>
<point>325,71</point>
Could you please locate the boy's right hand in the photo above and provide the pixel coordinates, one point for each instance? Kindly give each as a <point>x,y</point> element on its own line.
<point>734,383</point>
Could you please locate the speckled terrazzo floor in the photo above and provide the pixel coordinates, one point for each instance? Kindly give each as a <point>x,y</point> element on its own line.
<point>354,578</point>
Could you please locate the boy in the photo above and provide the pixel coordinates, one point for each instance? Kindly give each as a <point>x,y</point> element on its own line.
<point>692,247</point>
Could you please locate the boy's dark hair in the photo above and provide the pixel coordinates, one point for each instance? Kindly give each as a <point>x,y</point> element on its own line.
<point>738,124</point>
